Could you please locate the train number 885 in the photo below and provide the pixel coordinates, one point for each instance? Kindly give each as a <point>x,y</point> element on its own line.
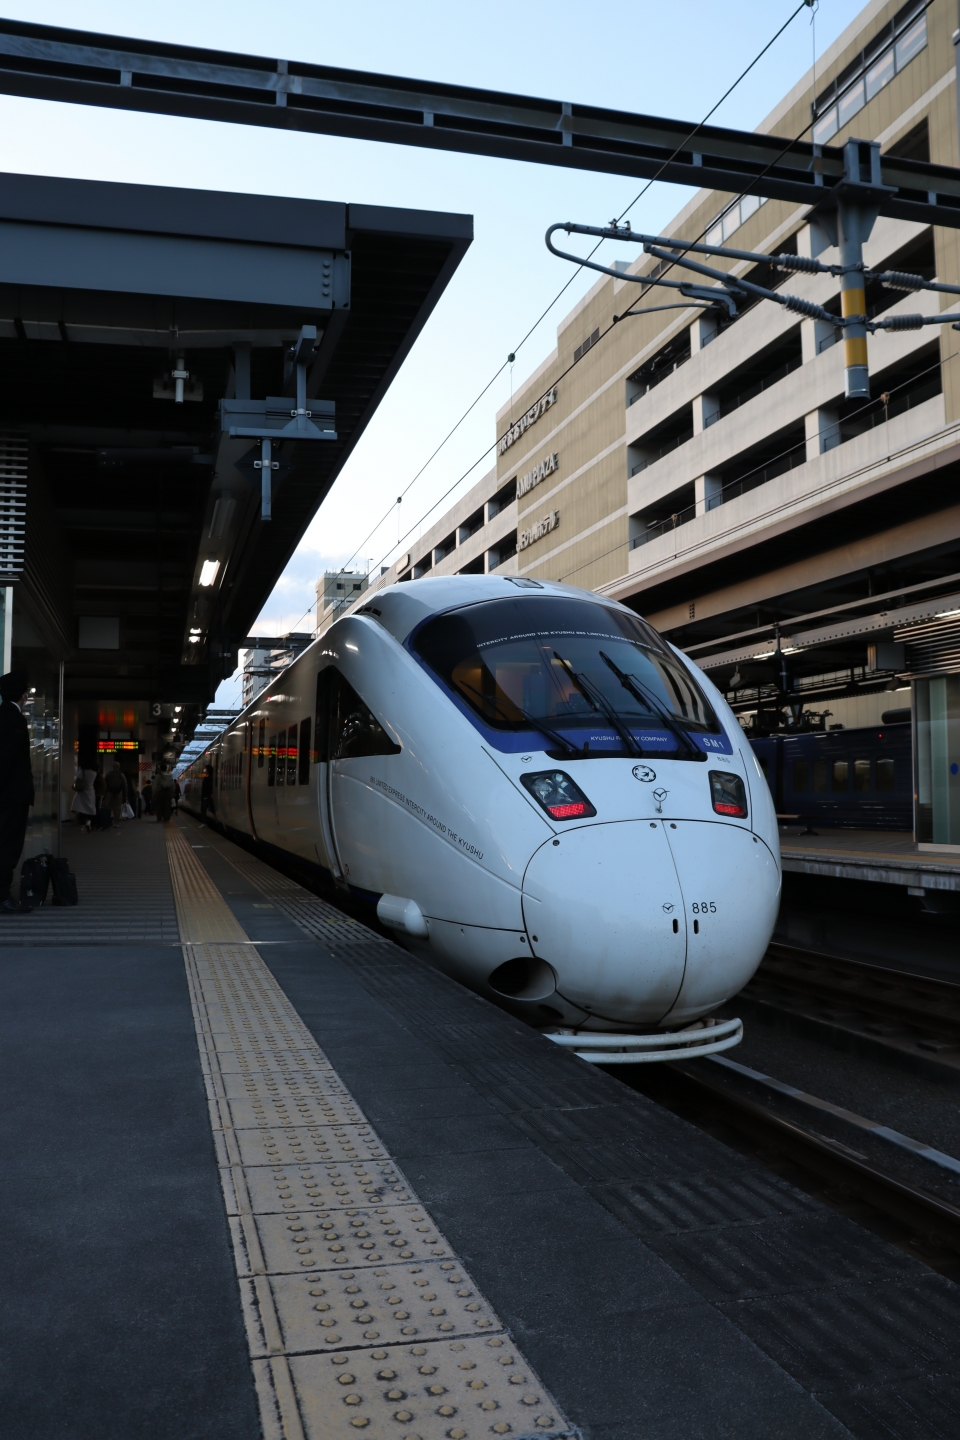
<point>704,907</point>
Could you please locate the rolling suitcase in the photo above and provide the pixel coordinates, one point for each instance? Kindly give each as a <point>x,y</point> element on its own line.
<point>64,883</point>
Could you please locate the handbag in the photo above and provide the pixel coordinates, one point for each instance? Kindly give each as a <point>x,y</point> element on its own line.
<point>126,811</point>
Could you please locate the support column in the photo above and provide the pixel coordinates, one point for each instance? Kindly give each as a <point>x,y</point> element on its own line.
<point>822,429</point>
<point>706,410</point>
<point>707,492</point>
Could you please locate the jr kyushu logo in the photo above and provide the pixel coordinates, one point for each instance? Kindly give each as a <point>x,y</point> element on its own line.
<point>644,773</point>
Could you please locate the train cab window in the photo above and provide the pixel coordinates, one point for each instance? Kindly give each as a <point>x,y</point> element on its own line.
<point>590,671</point>
<point>841,775</point>
<point>260,744</point>
<point>272,761</point>
<point>799,777</point>
<point>346,728</point>
<point>821,776</point>
<point>885,774</point>
<point>292,756</point>
<point>304,773</point>
<point>861,775</point>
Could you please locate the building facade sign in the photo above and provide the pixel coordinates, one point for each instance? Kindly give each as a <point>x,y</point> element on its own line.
<point>537,532</point>
<point>520,427</point>
<point>547,466</point>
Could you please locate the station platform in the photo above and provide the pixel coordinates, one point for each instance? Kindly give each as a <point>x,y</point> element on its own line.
<point>882,856</point>
<point>269,1175</point>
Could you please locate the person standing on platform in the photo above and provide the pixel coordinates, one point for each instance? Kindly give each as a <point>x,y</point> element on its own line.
<point>115,791</point>
<point>206,794</point>
<point>162,795</point>
<point>85,800</point>
<point>16,781</point>
<point>146,796</point>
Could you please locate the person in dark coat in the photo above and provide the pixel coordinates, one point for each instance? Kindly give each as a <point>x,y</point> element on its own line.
<point>206,795</point>
<point>16,781</point>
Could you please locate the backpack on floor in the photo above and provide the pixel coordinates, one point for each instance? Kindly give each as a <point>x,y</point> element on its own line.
<point>34,879</point>
<point>64,883</point>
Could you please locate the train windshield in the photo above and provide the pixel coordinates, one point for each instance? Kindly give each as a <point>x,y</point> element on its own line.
<point>589,677</point>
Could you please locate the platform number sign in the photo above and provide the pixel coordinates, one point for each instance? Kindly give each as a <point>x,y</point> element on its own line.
<point>155,709</point>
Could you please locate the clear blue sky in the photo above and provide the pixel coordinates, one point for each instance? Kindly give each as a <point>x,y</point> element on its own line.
<point>666,59</point>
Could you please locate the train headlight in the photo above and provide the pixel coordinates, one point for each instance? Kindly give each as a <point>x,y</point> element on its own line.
<point>728,794</point>
<point>559,796</point>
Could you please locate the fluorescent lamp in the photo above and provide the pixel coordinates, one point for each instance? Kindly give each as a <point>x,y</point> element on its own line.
<point>209,572</point>
<point>194,639</point>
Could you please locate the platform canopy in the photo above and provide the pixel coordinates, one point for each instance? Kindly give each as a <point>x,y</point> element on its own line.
<point>149,341</point>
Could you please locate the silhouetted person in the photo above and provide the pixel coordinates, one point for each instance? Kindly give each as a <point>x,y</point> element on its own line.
<point>162,795</point>
<point>115,786</point>
<point>206,794</point>
<point>16,781</point>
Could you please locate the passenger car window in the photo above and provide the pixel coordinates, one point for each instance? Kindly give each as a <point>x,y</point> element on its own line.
<point>885,774</point>
<point>821,774</point>
<point>272,762</point>
<point>346,728</point>
<point>799,776</point>
<point>861,775</point>
<point>304,775</point>
<point>841,772</point>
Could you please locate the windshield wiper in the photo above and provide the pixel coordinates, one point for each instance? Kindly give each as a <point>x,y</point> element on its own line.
<point>599,702</point>
<point>640,692</point>
<point>531,720</point>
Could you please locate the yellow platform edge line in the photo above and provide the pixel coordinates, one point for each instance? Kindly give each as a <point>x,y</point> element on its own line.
<point>228,978</point>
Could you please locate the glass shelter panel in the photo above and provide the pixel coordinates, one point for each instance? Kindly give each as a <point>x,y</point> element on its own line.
<point>937,711</point>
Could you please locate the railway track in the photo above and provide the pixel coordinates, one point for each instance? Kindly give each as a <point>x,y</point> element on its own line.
<point>911,1014</point>
<point>924,1224</point>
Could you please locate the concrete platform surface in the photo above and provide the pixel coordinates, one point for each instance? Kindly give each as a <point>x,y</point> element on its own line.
<point>882,856</point>
<point>650,1281</point>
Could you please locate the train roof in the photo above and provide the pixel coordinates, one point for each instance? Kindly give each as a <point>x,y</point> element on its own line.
<point>401,606</point>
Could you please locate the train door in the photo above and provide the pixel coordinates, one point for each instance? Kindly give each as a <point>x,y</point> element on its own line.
<point>326,728</point>
<point>251,750</point>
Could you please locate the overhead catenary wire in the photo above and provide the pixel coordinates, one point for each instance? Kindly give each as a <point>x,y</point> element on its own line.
<point>804,4</point>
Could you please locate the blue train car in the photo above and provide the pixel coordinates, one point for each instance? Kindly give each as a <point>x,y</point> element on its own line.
<point>842,779</point>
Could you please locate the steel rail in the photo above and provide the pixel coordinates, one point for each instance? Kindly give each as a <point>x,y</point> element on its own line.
<point>919,1003</point>
<point>80,67</point>
<point>685,1091</point>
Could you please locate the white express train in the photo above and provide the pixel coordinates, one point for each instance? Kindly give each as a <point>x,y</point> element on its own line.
<point>538,793</point>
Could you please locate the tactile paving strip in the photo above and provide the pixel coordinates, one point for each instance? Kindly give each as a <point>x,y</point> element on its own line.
<point>359,1315</point>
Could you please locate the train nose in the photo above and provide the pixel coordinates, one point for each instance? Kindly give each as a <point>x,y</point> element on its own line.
<point>731,887</point>
<point>606,908</point>
<point>647,922</point>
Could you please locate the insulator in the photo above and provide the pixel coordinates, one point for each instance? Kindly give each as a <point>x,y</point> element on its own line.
<point>796,262</point>
<point>804,307</point>
<point>903,322</point>
<point>901,280</point>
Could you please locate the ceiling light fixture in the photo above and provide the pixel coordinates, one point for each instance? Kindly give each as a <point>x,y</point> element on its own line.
<point>208,572</point>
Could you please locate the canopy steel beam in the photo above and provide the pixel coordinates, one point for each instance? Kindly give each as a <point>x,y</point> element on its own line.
<point>48,63</point>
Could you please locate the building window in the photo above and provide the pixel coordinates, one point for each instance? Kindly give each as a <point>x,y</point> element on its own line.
<point>887,54</point>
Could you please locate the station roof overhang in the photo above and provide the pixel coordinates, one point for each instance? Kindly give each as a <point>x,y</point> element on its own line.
<point>148,341</point>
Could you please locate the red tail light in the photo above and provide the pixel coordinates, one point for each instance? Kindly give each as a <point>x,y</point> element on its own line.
<point>559,796</point>
<point>728,794</point>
